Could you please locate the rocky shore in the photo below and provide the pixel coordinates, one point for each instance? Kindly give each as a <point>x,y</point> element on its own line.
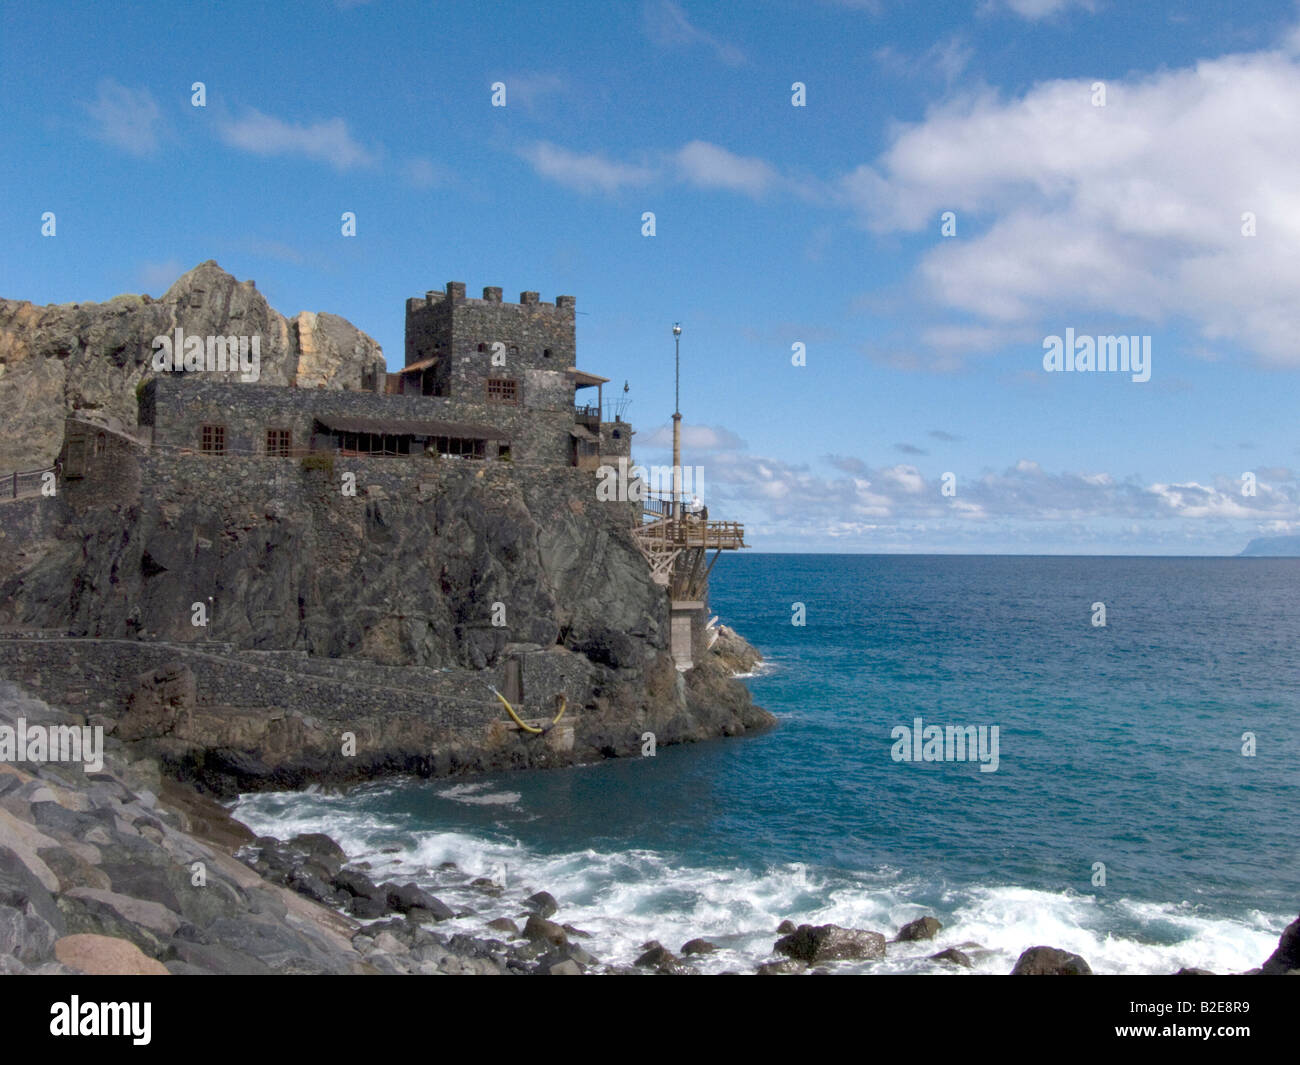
<point>124,871</point>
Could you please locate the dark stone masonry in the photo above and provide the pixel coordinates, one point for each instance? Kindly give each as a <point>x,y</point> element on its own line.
<point>261,585</point>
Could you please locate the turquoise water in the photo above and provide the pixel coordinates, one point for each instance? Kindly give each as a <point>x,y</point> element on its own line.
<point>1119,745</point>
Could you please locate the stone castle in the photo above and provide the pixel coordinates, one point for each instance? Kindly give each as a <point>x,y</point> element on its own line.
<point>375,553</point>
<point>483,379</point>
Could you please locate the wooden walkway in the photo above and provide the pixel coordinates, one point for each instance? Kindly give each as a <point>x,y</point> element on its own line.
<point>664,540</point>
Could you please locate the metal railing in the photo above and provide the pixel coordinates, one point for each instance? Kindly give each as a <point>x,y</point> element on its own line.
<point>23,482</point>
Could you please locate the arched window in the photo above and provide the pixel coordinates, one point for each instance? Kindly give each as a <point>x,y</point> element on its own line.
<point>101,442</point>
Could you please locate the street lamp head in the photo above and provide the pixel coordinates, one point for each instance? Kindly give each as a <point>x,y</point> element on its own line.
<point>677,329</point>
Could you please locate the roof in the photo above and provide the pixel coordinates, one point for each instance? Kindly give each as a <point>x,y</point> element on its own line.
<point>410,427</point>
<point>581,432</point>
<point>423,364</point>
<point>583,379</point>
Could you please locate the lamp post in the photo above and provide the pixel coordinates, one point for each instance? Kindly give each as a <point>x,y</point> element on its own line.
<point>677,421</point>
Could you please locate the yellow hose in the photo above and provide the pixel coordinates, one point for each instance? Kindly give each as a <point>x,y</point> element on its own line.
<point>564,702</point>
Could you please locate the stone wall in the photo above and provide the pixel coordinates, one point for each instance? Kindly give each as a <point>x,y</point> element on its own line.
<point>100,674</point>
<point>99,467</point>
<point>178,406</point>
<point>538,343</point>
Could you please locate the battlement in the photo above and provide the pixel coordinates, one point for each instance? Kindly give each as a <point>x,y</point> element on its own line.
<point>454,295</point>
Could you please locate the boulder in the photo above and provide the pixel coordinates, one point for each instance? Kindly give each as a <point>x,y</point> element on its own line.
<point>105,956</point>
<point>953,955</point>
<point>658,957</point>
<point>366,909</point>
<point>784,967</point>
<point>698,946</point>
<point>504,924</point>
<point>216,959</point>
<point>829,942</point>
<point>543,904</point>
<point>1049,961</point>
<point>360,886</point>
<point>410,898</point>
<point>320,847</point>
<point>20,887</point>
<point>25,935</point>
<point>539,928</point>
<point>921,928</point>
<point>548,966</point>
<point>313,887</point>
<point>1286,958</point>
<point>786,927</point>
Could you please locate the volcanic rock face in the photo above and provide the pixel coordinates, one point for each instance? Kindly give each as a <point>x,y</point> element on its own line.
<point>239,615</point>
<point>91,356</point>
<point>1286,959</point>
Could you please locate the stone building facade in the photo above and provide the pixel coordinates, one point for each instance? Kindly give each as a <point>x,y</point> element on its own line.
<point>483,379</point>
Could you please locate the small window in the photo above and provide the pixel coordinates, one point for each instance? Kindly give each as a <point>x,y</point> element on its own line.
<point>503,452</point>
<point>503,390</point>
<point>514,350</point>
<point>101,441</point>
<point>214,440</point>
<point>482,347</point>
<point>617,434</point>
<point>76,464</point>
<point>277,443</point>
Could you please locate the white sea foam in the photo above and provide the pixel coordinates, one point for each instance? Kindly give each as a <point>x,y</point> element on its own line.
<point>476,795</point>
<point>625,898</point>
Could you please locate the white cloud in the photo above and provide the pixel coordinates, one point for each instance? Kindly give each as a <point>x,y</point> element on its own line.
<point>328,141</point>
<point>591,172</point>
<point>1040,9</point>
<point>665,23</point>
<point>696,438</point>
<point>422,173</point>
<point>792,496</point>
<point>946,59</point>
<point>1131,210</point>
<point>709,166</point>
<point>530,89</point>
<point>697,163</point>
<point>126,118</point>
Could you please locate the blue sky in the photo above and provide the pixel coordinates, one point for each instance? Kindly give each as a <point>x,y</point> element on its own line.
<point>774,225</point>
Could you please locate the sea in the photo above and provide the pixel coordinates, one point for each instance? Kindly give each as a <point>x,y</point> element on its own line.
<point>1142,812</point>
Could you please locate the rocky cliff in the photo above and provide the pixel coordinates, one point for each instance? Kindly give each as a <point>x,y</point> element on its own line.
<point>388,615</point>
<point>91,356</point>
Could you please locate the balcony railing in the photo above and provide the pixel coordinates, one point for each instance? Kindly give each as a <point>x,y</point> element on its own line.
<point>588,416</point>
